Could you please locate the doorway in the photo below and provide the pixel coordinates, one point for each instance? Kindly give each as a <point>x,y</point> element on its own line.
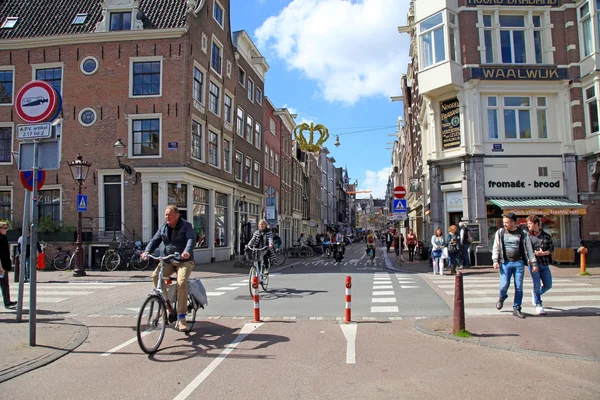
<point>112,203</point>
<point>454,218</point>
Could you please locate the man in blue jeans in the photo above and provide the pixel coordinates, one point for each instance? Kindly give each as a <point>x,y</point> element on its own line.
<point>542,245</point>
<point>512,249</point>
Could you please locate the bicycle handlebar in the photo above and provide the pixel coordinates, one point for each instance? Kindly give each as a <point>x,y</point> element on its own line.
<point>164,258</point>
<point>257,249</point>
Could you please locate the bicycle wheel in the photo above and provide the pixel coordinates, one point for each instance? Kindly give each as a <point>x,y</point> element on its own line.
<point>71,261</point>
<point>304,252</point>
<point>151,324</point>
<point>112,261</point>
<point>251,275</point>
<point>61,261</point>
<point>311,252</point>
<point>137,263</point>
<point>264,282</point>
<point>279,258</point>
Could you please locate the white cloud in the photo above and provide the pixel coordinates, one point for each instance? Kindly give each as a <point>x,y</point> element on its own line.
<point>352,49</point>
<point>376,182</point>
<point>301,117</point>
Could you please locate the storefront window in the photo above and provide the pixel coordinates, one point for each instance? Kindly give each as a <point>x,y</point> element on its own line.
<point>253,214</point>
<point>221,220</point>
<point>200,216</point>
<point>178,196</point>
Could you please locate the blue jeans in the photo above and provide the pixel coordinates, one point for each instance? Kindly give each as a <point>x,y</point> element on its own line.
<point>507,270</point>
<point>543,273</point>
<point>464,251</point>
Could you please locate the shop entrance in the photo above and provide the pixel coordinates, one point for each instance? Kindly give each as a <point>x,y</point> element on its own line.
<point>454,218</point>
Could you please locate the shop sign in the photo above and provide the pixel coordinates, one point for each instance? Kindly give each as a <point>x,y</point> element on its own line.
<point>414,185</point>
<point>547,211</point>
<point>520,177</point>
<point>552,3</point>
<point>520,73</point>
<point>450,115</point>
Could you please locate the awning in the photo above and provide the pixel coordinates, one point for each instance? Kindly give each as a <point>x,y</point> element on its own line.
<point>540,206</point>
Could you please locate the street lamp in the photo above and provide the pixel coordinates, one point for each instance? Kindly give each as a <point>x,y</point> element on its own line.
<point>79,170</point>
<point>120,152</point>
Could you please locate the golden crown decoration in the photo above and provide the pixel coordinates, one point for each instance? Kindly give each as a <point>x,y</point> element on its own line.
<point>309,145</point>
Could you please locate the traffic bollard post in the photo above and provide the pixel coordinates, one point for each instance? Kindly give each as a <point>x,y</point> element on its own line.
<point>459,304</point>
<point>582,259</point>
<point>256,299</point>
<point>348,311</point>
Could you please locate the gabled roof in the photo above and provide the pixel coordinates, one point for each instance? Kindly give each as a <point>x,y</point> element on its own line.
<point>39,18</point>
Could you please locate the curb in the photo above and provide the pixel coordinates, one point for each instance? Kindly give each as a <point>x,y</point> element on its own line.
<point>79,336</point>
<point>419,327</point>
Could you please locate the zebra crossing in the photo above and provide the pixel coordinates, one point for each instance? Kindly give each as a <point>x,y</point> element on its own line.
<point>58,292</point>
<point>481,295</point>
<point>384,296</point>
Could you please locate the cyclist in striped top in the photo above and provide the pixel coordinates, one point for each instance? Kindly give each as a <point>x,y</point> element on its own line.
<point>261,238</point>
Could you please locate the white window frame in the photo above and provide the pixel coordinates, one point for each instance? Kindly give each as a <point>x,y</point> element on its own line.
<point>257,134</point>
<point>219,97</point>
<point>133,60</point>
<point>200,105</point>
<point>229,124</point>
<point>212,129</point>
<point>533,120</point>
<point>12,95</point>
<point>36,67</point>
<point>258,96</point>
<point>241,178</point>
<point>244,78</point>
<point>9,23</point>
<point>240,132</point>
<point>427,31</point>
<point>249,167</point>
<point>220,46</point>
<point>587,101</point>
<point>203,150</point>
<point>130,120</point>
<point>266,155</point>
<point>229,140</point>
<point>101,195</point>
<point>250,134</point>
<point>272,161</point>
<point>10,125</point>
<point>216,3</point>
<point>250,89</point>
<point>84,60</point>
<point>272,126</point>
<point>81,114</point>
<point>277,164</point>
<point>256,174</point>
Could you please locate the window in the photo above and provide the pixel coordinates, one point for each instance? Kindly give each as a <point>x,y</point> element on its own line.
<point>146,137</point>
<point>6,86</point>
<point>51,75</point>
<point>238,165</point>
<point>198,89</point>
<point>5,205</point>
<point>89,65</point>
<point>213,98</point>
<point>227,155</point>
<point>248,170</point>
<point>542,171</point>
<point>514,39</point>
<point>585,22</point>
<point>432,40</point>
<point>218,13</point>
<point>177,195</point>
<point>256,173</point>
<point>249,124</point>
<point>271,159</point>
<point>276,164</point>
<point>250,90</point>
<point>257,135</point>
<point>510,117</point>
<point>227,109</point>
<point>216,59</point>
<point>146,78</point>
<point>266,155</point>
<point>9,22</point>
<point>537,39</point>
<point>49,205</point>
<point>200,217</point>
<point>242,77</point>
<point>258,96</point>
<point>272,126</point>
<point>120,21</point>
<point>488,35</point>
<point>240,122</point>
<point>87,117</point>
<point>591,108</point>
<point>197,141</point>
<point>213,148</point>
<point>221,218</point>
<point>6,144</point>
<point>79,19</point>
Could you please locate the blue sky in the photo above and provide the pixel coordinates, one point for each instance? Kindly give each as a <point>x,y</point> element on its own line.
<point>336,63</point>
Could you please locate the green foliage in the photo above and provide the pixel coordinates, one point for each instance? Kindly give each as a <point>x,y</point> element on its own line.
<point>463,333</point>
<point>46,225</point>
<point>585,274</point>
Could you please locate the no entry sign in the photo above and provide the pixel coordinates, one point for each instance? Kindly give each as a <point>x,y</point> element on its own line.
<point>399,192</point>
<point>37,101</point>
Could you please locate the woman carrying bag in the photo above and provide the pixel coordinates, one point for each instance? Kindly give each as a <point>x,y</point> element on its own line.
<point>453,249</point>
<point>438,244</point>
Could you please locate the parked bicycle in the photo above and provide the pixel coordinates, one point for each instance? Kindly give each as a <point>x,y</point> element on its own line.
<point>127,253</point>
<point>258,268</point>
<point>63,259</point>
<point>157,312</point>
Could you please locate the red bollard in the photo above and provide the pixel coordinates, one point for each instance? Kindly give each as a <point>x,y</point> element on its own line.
<point>459,304</point>
<point>348,312</point>
<point>256,299</point>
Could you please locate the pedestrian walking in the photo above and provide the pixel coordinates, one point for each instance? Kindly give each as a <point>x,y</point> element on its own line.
<point>5,266</point>
<point>464,245</point>
<point>542,245</point>
<point>453,249</point>
<point>411,242</point>
<point>438,243</point>
<point>512,249</point>
<point>397,244</point>
<point>389,237</point>
<point>27,252</point>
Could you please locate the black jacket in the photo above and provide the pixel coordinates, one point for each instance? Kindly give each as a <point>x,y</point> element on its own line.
<point>182,239</point>
<point>5,253</point>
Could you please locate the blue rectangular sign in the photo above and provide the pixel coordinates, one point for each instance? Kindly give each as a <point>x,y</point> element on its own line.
<point>399,205</point>
<point>82,203</point>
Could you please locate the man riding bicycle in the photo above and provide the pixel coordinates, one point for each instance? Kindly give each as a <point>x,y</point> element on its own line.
<point>178,236</point>
<point>261,238</point>
<point>371,243</point>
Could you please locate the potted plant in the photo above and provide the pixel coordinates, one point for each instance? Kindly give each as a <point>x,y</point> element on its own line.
<point>50,232</point>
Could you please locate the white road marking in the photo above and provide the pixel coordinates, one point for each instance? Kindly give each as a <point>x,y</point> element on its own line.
<point>239,284</point>
<point>588,308</point>
<point>408,287</point>
<point>383,287</point>
<point>246,330</point>
<point>53,293</point>
<point>384,293</point>
<point>119,347</point>
<point>526,285</point>
<point>382,278</point>
<point>46,299</point>
<point>209,294</point>
<point>382,309</point>
<point>383,300</point>
<point>349,331</point>
<point>387,282</point>
<point>556,299</point>
<point>227,288</point>
<point>553,290</point>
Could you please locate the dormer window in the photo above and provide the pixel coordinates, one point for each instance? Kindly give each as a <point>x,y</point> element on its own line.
<point>10,22</point>
<point>120,21</point>
<point>218,13</point>
<point>79,19</point>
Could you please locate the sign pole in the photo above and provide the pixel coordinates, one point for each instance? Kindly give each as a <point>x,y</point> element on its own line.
<point>33,249</point>
<point>22,261</point>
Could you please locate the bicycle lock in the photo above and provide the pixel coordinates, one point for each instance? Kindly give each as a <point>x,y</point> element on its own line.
<point>256,299</point>
<point>348,312</point>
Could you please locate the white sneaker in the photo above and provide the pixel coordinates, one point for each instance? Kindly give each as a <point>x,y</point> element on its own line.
<point>540,310</point>
<point>532,298</point>
<point>442,272</point>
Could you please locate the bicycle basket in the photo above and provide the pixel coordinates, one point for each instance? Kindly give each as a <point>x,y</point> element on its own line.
<point>254,255</point>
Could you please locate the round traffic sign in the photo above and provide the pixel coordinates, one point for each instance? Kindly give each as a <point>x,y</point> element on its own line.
<point>399,192</point>
<point>27,179</point>
<point>36,101</point>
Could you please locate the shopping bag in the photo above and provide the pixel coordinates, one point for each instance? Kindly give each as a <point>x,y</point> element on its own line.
<point>41,261</point>
<point>198,293</point>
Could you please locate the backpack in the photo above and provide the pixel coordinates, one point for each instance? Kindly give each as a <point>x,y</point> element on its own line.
<point>370,239</point>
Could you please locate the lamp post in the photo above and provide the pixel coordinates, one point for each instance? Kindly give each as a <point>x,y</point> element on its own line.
<point>79,170</point>
<point>120,152</point>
